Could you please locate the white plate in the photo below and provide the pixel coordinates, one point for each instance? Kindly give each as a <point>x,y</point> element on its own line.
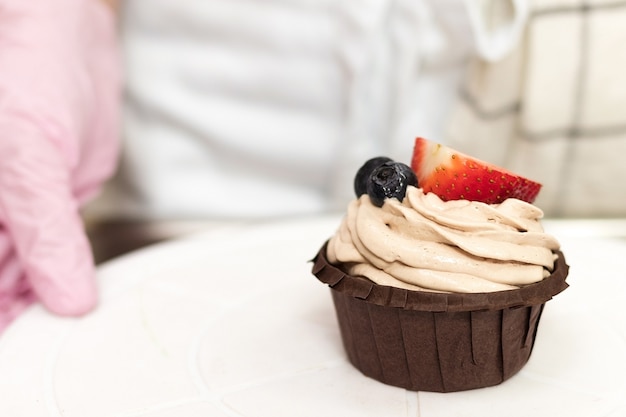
<point>231,323</point>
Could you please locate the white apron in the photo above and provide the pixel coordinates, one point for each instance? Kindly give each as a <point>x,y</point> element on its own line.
<point>252,109</point>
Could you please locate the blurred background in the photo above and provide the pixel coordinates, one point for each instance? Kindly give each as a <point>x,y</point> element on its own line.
<point>249,110</point>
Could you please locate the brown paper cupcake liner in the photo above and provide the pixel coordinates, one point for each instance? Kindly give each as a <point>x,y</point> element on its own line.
<point>434,341</point>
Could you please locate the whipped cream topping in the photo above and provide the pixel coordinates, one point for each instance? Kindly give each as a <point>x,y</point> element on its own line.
<point>424,243</point>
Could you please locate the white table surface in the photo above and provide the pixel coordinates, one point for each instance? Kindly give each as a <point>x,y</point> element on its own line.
<point>230,322</point>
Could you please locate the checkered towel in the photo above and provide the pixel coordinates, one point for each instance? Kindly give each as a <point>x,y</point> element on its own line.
<point>554,108</point>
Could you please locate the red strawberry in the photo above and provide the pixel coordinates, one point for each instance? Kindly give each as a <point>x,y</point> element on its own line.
<point>453,175</point>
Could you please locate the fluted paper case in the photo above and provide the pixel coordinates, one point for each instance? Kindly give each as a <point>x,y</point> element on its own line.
<point>425,341</point>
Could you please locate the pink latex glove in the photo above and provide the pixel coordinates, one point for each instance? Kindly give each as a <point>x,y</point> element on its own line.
<point>59,99</point>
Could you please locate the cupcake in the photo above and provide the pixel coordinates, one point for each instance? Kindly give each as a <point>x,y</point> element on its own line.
<point>439,272</point>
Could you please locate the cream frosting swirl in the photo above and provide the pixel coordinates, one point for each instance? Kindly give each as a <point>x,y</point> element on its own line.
<point>424,243</point>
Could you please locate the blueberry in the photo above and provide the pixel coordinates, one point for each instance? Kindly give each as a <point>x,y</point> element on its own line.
<point>363,174</point>
<point>390,180</point>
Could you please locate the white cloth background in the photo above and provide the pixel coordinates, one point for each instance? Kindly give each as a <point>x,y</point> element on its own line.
<point>246,108</point>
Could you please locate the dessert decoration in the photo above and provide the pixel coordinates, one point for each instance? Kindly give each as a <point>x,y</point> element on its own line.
<point>453,175</point>
<point>382,178</point>
<point>362,176</point>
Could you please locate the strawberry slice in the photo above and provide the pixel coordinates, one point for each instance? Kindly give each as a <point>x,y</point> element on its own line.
<point>453,175</point>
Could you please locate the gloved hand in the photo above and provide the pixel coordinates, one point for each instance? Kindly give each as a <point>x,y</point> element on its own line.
<point>59,99</point>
